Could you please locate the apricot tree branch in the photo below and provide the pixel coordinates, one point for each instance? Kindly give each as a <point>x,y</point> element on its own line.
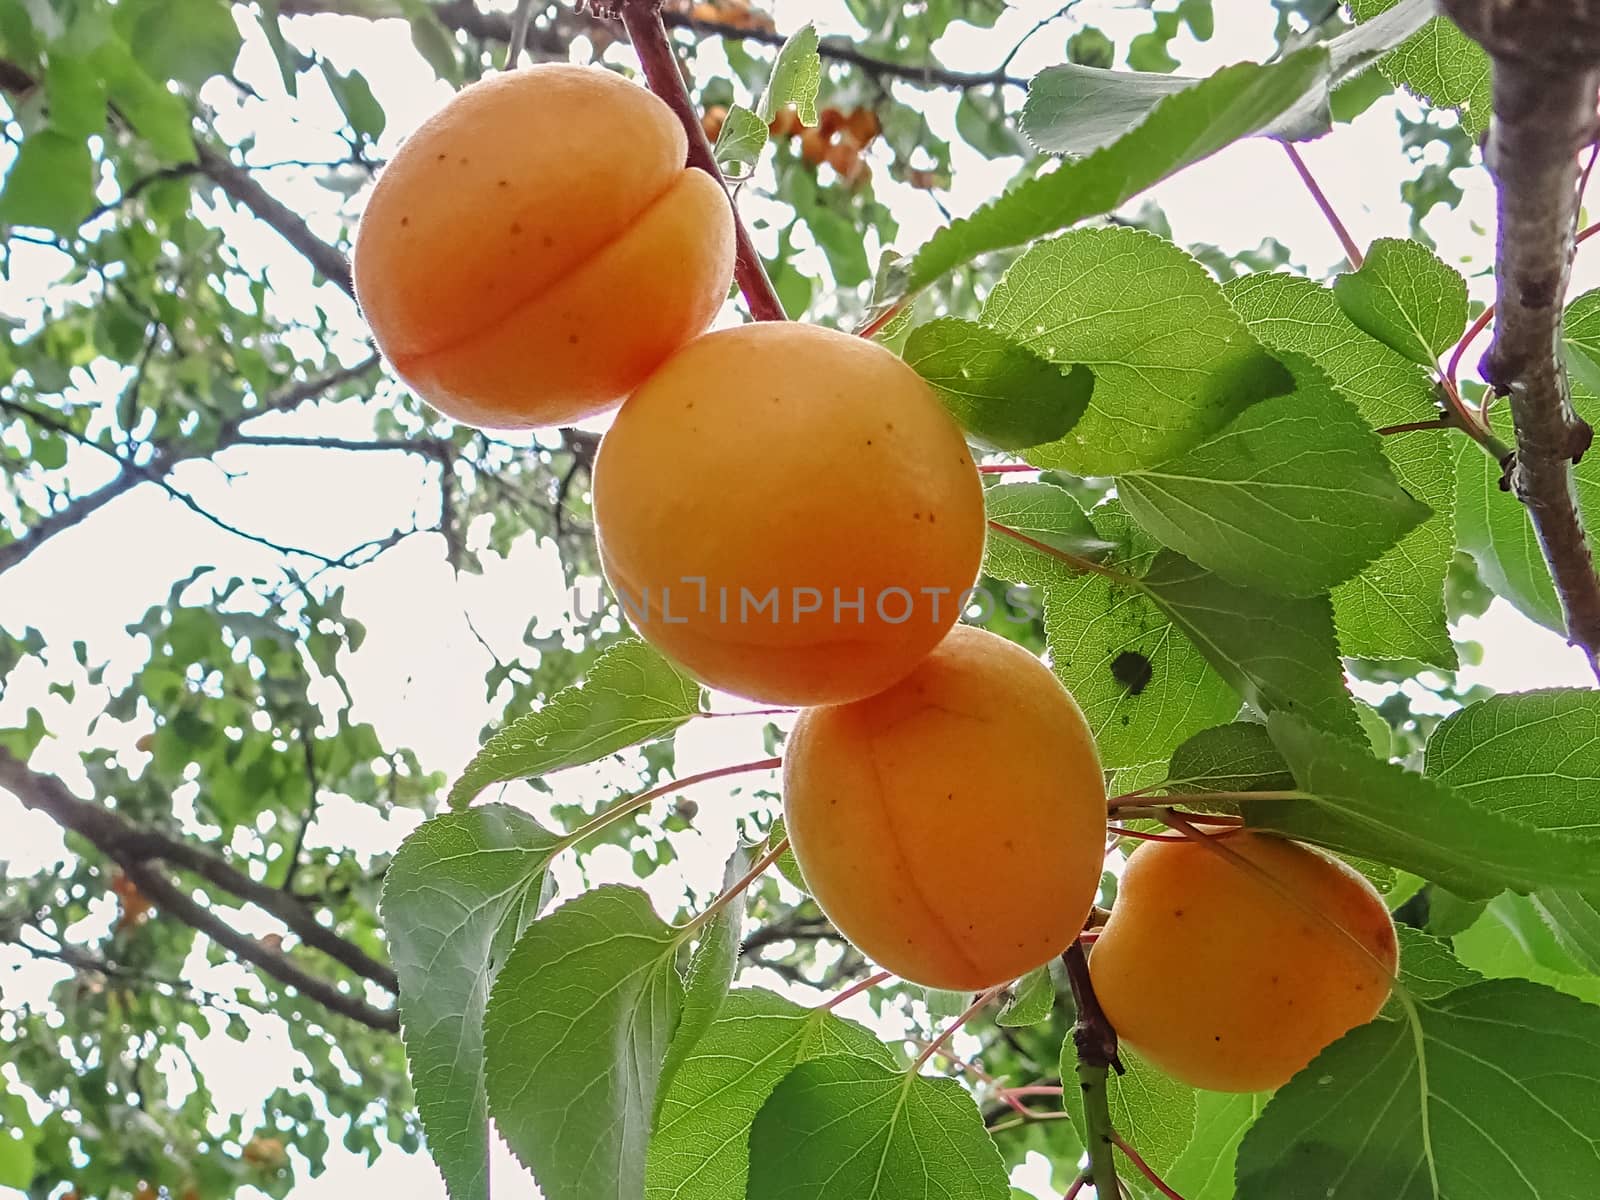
<point>642,20</point>
<point>166,457</point>
<point>1096,1043</point>
<point>1546,73</point>
<point>134,848</point>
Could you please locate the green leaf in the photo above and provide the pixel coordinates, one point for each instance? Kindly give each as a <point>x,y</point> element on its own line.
<point>1235,102</point>
<point>1044,513</point>
<point>188,41</point>
<point>1428,969</point>
<point>1032,1001</point>
<point>1172,361</point>
<point>1395,607</point>
<point>1534,756</point>
<point>984,123</point>
<point>1153,1111</point>
<point>157,115</point>
<point>741,141</point>
<point>1280,654</point>
<point>711,970</point>
<point>701,1146</point>
<point>1494,1091</point>
<point>1294,496</point>
<point>355,98</point>
<point>1002,393</point>
<point>1438,63</point>
<point>1142,685</point>
<point>1077,110</point>
<point>18,1136</point>
<point>76,95</point>
<point>1204,1171</point>
<point>796,78</point>
<point>844,1126</point>
<point>435,43</point>
<point>577,1029</point>
<point>1357,804</point>
<point>1408,299</point>
<point>1510,941</point>
<point>50,184</point>
<point>288,59</point>
<point>630,695</point>
<point>1229,758</point>
<point>456,898</point>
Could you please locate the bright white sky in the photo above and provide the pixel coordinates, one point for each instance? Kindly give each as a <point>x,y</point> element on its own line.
<point>419,676</point>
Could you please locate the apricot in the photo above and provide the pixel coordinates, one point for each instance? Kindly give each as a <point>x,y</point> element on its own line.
<point>863,125</point>
<point>813,146</point>
<point>789,513</point>
<point>786,124</point>
<point>1222,980</point>
<point>844,156</point>
<point>952,827</point>
<point>713,120</point>
<point>830,121</point>
<point>538,247</point>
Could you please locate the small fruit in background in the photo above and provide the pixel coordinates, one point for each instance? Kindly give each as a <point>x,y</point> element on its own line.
<point>786,124</point>
<point>830,121</point>
<point>712,122</point>
<point>863,125</point>
<point>844,156</point>
<point>813,146</point>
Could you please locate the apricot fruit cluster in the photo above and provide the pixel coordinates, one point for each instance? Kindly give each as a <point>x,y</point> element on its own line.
<point>498,242</point>
<point>1233,971</point>
<point>953,826</point>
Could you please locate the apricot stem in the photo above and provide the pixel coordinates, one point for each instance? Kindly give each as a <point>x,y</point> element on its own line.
<point>1072,560</point>
<point>855,989</point>
<point>1077,1186</point>
<point>1008,469</point>
<point>1145,1168</point>
<point>1352,252</point>
<point>737,890</point>
<point>1117,803</point>
<point>642,20</point>
<point>519,33</point>
<point>630,806</point>
<point>945,1034</point>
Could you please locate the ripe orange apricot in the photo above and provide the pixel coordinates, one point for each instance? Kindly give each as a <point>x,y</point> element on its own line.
<point>813,146</point>
<point>789,513</point>
<point>538,247</point>
<point>844,156</point>
<point>786,124</point>
<point>863,125</point>
<point>1222,980</point>
<point>952,827</point>
<point>712,121</point>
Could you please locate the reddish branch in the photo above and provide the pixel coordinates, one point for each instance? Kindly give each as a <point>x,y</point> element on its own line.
<point>136,850</point>
<point>1546,63</point>
<point>642,20</point>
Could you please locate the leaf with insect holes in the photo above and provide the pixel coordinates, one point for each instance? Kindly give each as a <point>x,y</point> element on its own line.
<point>739,144</point>
<point>1439,63</point>
<point>1279,653</point>
<point>700,1149</point>
<point>1292,496</point>
<point>796,78</point>
<point>1395,607</point>
<point>1408,299</point>
<point>1143,687</point>
<point>578,1026</point>
<point>1172,361</point>
<point>848,1127</point>
<point>457,896</point>
<point>1076,110</point>
<point>1238,757</point>
<point>630,695</point>
<point>1357,804</point>
<point>1033,999</point>
<point>1152,1111</point>
<point>1000,392</point>
<point>1236,102</point>
<point>1491,1090</point>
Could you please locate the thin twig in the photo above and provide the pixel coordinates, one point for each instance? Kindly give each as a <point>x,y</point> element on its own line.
<point>1352,252</point>
<point>518,38</point>
<point>1145,1168</point>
